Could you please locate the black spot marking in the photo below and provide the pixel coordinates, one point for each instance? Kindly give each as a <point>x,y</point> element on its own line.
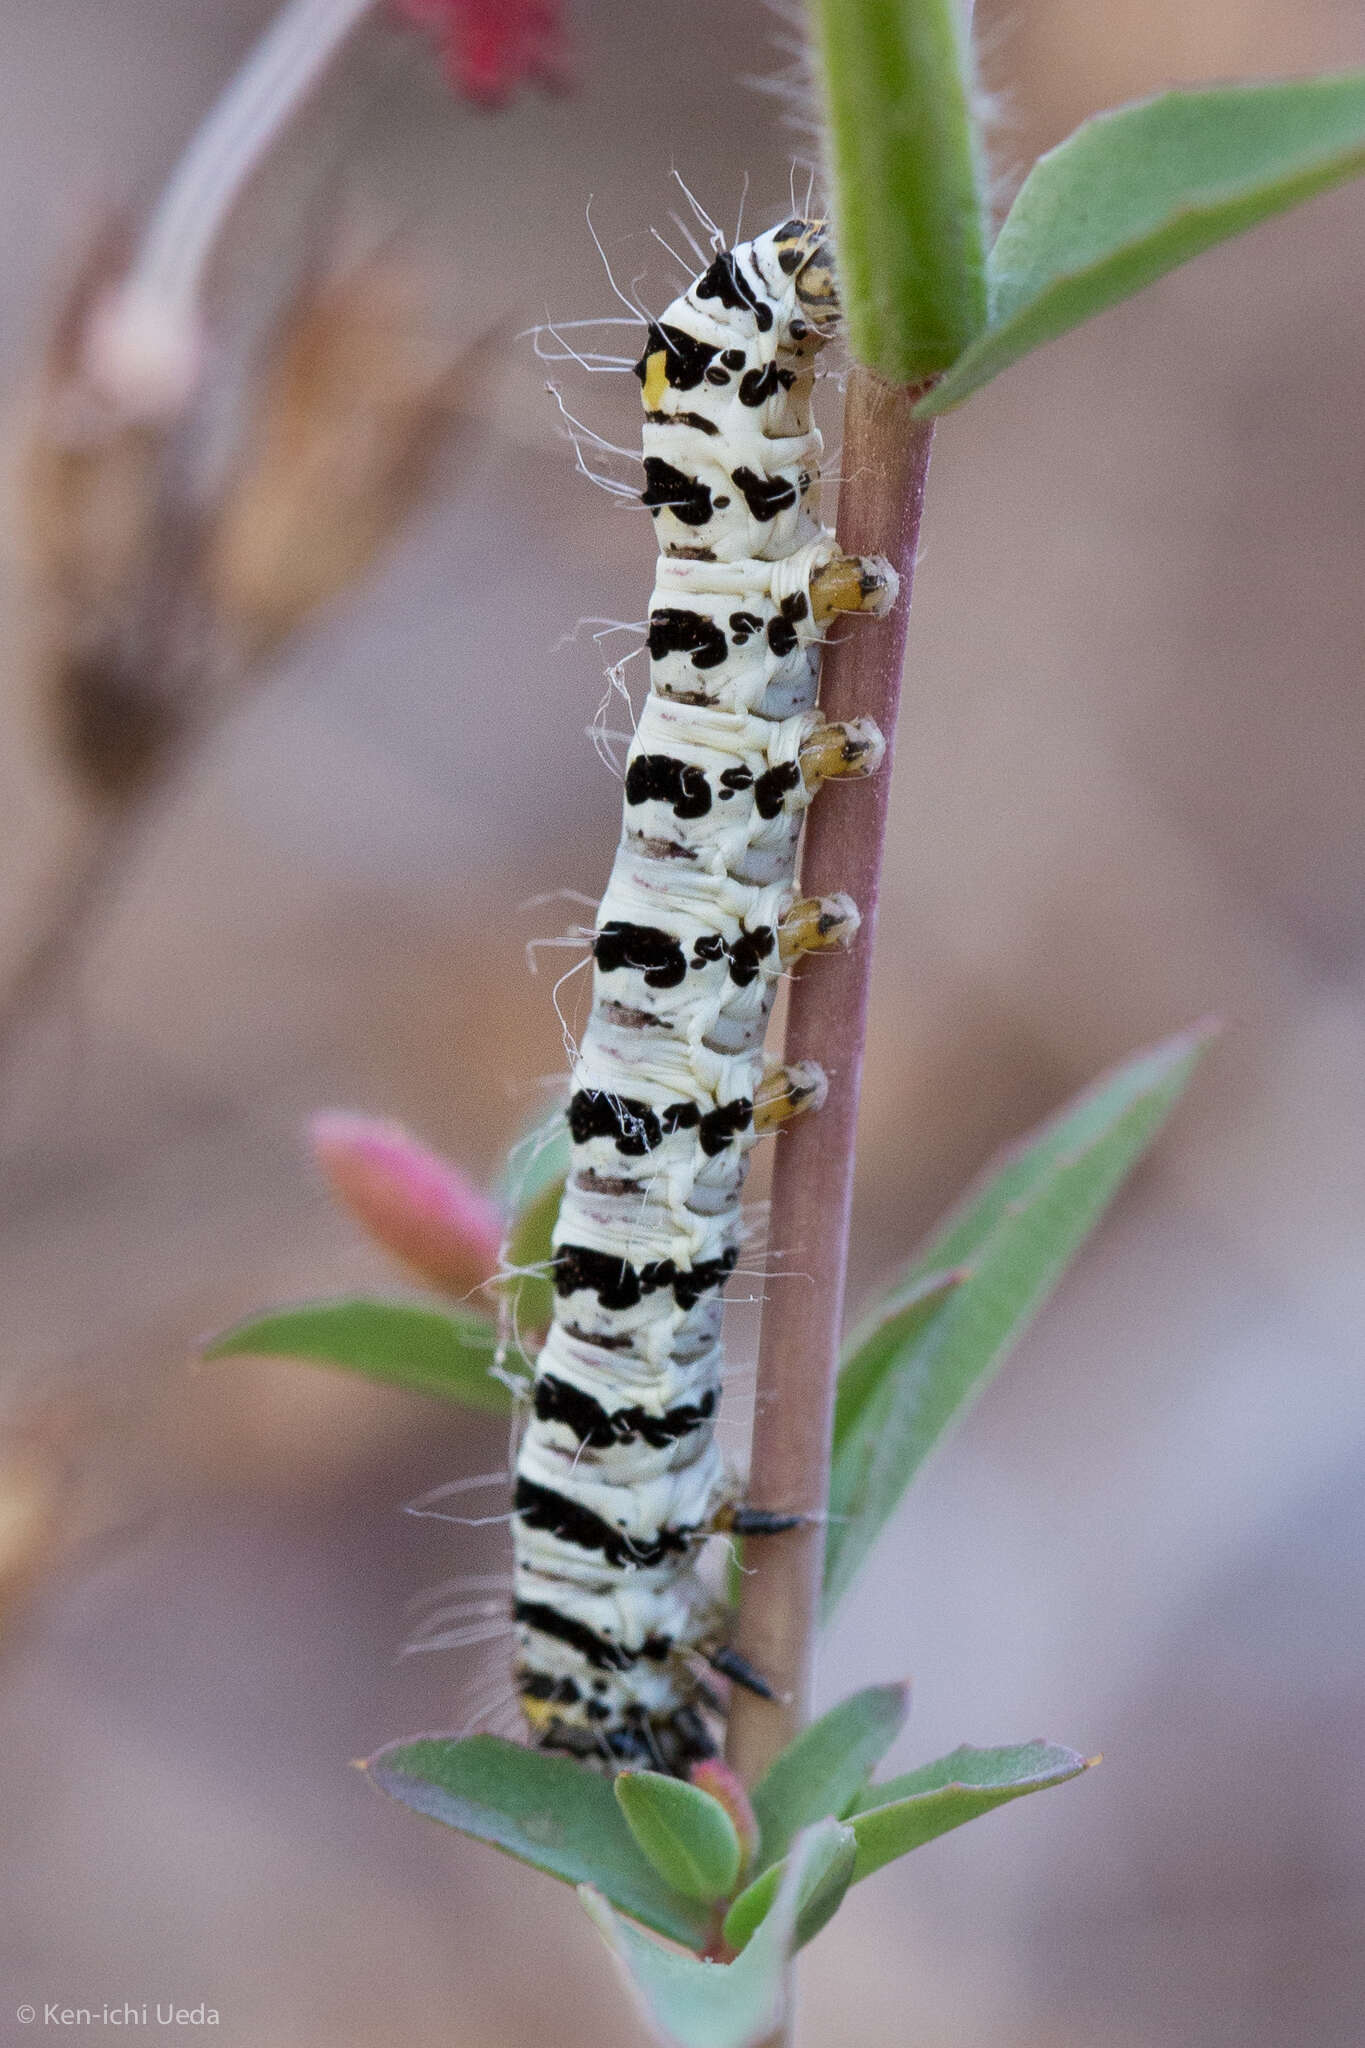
<point>643,947</point>
<point>616,1283</point>
<point>798,330</point>
<point>687,497</point>
<point>685,358</point>
<point>748,952</point>
<point>661,778</point>
<point>722,1125</point>
<point>619,1285</point>
<point>756,387</point>
<point>539,1685</point>
<point>744,625</point>
<point>682,632</point>
<point>726,282</point>
<point>765,496</point>
<point>770,790</point>
<point>733,780</point>
<point>557,1401</point>
<point>717,376</point>
<point>683,419</point>
<point>710,946</point>
<point>733,358</point>
<point>540,1507</point>
<point>632,1126</point>
<point>689,1284</point>
<point>595,1649</point>
<point>782,634</point>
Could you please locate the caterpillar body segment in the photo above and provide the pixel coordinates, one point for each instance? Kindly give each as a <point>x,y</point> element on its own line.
<point>619,1481</point>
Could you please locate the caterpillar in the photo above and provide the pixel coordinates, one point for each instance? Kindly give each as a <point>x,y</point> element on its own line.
<point>618,1478</point>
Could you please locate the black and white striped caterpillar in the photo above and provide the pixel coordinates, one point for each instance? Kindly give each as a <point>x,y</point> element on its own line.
<point>618,1477</point>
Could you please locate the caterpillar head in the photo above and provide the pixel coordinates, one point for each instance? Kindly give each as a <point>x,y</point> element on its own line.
<point>805,252</point>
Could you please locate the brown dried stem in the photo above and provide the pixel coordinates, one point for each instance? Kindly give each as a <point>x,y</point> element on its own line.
<point>886,459</point>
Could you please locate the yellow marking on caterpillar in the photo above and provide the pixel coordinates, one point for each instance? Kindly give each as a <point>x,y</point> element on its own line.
<point>786,1091</point>
<point>815,924</point>
<point>852,748</point>
<point>540,1713</point>
<point>655,379</point>
<point>853,583</point>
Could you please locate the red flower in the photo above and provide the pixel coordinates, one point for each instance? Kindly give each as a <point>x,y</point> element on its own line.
<point>489,47</point>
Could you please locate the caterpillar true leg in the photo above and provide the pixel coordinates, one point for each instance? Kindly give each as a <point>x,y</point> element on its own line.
<point>619,1481</point>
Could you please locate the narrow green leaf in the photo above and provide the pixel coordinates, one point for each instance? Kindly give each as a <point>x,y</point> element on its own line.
<point>1139,190</point>
<point>531,1187</point>
<point>890,1820</point>
<point>529,1253</point>
<point>908,180</point>
<point>686,1834</point>
<point>827,1765</point>
<point>1015,1233</point>
<point>872,1350</point>
<point>545,1810</point>
<point>428,1350</point>
<point>699,2004</point>
<point>539,1159</point>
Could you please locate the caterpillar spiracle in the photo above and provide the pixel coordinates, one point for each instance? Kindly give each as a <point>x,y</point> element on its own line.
<point>618,1476</point>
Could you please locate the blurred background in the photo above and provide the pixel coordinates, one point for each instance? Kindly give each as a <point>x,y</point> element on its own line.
<point>1128,793</point>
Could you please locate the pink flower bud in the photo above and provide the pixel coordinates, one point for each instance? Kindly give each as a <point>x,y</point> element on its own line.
<point>713,1775</point>
<point>414,1203</point>
<point>489,47</point>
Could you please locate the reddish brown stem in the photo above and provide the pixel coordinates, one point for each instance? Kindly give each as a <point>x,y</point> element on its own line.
<point>886,459</point>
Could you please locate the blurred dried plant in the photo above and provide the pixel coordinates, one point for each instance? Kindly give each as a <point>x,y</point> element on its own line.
<point>162,588</point>
<point>165,571</point>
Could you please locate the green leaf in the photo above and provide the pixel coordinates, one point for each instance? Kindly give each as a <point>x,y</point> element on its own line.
<point>686,1834</point>
<point>701,2004</point>
<point>908,180</point>
<point>545,1810</point>
<point>529,1253</point>
<point>538,1160</point>
<point>1139,190</point>
<point>1015,1234</point>
<point>405,1344</point>
<point>824,1769</point>
<point>890,1820</point>
<point>873,1350</point>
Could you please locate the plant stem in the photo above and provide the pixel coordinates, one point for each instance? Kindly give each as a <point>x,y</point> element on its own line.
<point>885,462</point>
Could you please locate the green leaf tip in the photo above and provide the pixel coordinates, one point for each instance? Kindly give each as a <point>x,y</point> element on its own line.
<point>700,2004</point>
<point>545,1810</point>
<point>924,1354</point>
<point>908,180</point>
<point>888,1821</point>
<point>892,1819</point>
<point>442,1352</point>
<point>1141,189</point>
<point>687,1835</point>
<point>821,1771</point>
